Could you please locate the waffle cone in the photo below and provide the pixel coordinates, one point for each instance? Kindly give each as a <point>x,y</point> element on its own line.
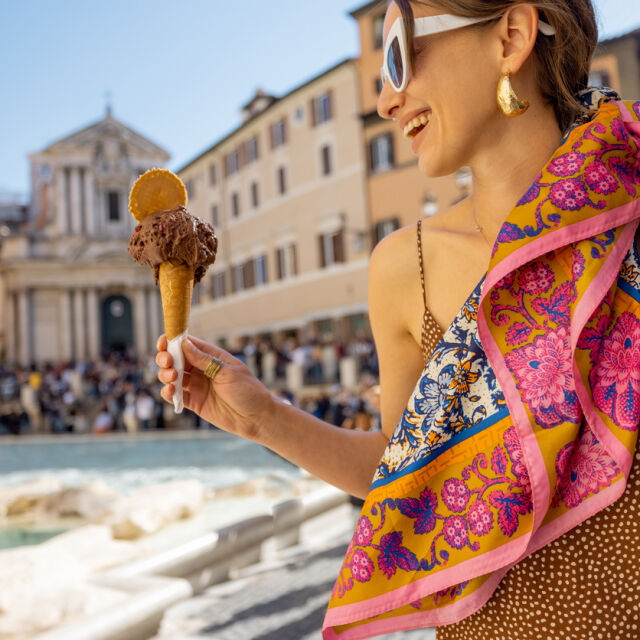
<point>176,287</point>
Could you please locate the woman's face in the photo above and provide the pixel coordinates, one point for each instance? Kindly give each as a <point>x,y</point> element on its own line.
<point>453,86</point>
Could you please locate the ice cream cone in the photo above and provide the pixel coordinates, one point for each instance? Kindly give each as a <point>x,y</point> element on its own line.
<point>176,287</point>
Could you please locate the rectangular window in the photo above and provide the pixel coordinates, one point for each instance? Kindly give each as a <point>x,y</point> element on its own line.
<point>113,204</point>
<point>251,150</point>
<point>321,108</point>
<point>385,227</point>
<point>235,205</point>
<point>214,215</point>
<point>325,153</point>
<point>378,23</point>
<point>286,261</point>
<point>218,286</point>
<point>213,175</point>
<point>381,153</point>
<point>282,180</point>
<point>255,200</point>
<point>260,267</point>
<point>231,163</point>
<point>278,133</point>
<point>189,186</point>
<point>331,248</point>
<point>238,277</point>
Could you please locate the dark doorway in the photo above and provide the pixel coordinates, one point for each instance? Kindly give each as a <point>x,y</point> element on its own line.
<point>117,324</point>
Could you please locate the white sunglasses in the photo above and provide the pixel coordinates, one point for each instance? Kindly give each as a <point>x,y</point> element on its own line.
<point>395,61</point>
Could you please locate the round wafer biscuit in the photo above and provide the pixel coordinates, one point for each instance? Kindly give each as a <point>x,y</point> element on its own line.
<point>156,190</point>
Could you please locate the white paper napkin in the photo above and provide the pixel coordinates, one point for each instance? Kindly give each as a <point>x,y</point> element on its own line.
<point>174,347</point>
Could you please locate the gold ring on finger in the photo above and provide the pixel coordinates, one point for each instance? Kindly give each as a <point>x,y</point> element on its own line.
<point>212,368</point>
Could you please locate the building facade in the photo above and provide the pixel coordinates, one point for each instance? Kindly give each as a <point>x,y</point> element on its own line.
<point>286,194</point>
<point>397,191</point>
<point>616,64</point>
<point>69,288</point>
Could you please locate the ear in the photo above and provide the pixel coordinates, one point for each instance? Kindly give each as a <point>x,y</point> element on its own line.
<point>518,30</point>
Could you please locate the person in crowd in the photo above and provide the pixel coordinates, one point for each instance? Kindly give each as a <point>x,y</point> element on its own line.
<point>508,334</point>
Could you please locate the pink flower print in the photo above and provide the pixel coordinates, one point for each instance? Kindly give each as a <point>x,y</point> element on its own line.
<point>518,466</point>
<point>569,194</point>
<point>600,179</point>
<point>619,130</point>
<point>544,377</point>
<point>505,282</point>
<point>586,468</point>
<point>364,532</point>
<point>455,531</point>
<point>480,518</point>
<point>616,391</point>
<point>455,494</point>
<point>536,278</point>
<point>567,164</point>
<point>361,566</point>
<point>627,173</point>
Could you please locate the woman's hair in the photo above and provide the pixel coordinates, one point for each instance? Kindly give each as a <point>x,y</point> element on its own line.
<point>563,59</point>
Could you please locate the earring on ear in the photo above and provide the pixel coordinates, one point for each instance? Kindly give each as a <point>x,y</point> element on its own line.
<point>508,101</point>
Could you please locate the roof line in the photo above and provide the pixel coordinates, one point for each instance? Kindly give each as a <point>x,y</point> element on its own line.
<point>275,102</point>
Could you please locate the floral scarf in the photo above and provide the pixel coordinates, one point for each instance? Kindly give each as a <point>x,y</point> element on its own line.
<point>525,420</point>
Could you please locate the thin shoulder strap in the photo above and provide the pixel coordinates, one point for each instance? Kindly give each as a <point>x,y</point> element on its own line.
<point>424,295</point>
<point>431,332</point>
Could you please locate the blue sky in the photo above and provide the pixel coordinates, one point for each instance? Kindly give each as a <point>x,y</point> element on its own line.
<point>176,72</point>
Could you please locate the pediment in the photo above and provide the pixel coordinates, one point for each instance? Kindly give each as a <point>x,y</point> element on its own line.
<point>107,128</point>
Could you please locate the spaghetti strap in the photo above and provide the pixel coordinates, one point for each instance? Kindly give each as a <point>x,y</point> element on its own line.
<point>431,332</point>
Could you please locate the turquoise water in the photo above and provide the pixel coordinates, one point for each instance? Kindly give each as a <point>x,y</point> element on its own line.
<point>125,463</point>
<point>217,460</point>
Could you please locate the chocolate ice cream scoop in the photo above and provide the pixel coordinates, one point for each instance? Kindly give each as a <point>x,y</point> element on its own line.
<point>177,236</point>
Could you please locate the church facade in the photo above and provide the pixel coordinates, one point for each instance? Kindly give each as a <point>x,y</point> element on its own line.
<point>68,289</point>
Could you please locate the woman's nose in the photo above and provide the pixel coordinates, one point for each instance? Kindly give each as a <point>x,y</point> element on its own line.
<point>389,102</point>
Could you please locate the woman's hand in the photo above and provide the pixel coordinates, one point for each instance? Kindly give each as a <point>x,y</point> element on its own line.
<point>234,400</point>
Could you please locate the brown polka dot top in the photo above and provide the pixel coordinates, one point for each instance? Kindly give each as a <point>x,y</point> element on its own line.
<point>583,586</point>
<point>431,331</point>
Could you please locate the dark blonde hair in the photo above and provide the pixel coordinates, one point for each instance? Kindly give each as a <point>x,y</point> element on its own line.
<point>563,59</point>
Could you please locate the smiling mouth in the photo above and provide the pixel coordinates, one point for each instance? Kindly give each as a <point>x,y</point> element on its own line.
<point>413,128</point>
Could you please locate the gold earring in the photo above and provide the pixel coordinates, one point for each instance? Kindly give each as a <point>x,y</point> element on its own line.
<point>508,101</point>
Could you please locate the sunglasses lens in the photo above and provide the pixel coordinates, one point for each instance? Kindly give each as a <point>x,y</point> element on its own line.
<point>394,63</point>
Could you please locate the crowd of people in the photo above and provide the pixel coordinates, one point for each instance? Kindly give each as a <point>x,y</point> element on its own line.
<point>121,392</point>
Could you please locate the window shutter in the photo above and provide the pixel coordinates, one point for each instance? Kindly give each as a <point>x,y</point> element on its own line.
<point>248,274</point>
<point>294,260</point>
<point>284,131</point>
<point>323,258</point>
<point>330,103</point>
<point>390,148</point>
<point>312,112</point>
<point>272,139</point>
<point>279,258</point>
<point>233,280</point>
<point>338,246</point>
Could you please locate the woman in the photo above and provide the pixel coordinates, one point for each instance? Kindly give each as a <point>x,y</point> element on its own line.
<point>523,422</point>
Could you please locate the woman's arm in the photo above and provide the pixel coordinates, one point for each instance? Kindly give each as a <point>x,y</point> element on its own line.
<point>393,290</point>
<point>238,402</point>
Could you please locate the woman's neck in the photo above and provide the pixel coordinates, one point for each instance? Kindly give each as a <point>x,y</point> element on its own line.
<point>508,163</point>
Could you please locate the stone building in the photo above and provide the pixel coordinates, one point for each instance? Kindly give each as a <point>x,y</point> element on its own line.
<point>616,64</point>
<point>285,192</point>
<point>69,289</point>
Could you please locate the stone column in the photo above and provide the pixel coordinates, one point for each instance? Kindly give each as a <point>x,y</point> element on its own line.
<point>155,317</point>
<point>75,200</point>
<point>61,204</point>
<point>65,329</point>
<point>79,324</point>
<point>89,202</point>
<point>24,322</point>
<point>140,322</point>
<point>10,328</point>
<point>93,323</point>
